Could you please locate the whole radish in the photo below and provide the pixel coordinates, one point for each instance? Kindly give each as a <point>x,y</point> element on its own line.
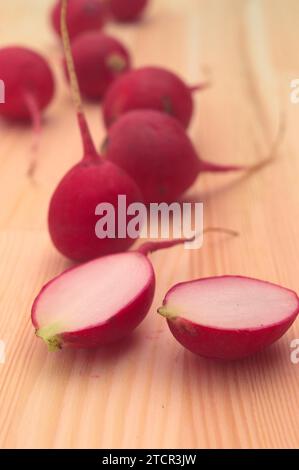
<point>98,302</point>
<point>229,317</point>
<point>127,10</point>
<point>149,88</point>
<point>82,16</point>
<point>99,59</point>
<point>72,218</point>
<point>155,150</point>
<point>29,85</point>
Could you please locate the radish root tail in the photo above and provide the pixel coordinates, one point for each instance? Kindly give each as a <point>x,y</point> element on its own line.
<point>151,247</point>
<point>208,167</point>
<point>200,87</point>
<point>36,120</point>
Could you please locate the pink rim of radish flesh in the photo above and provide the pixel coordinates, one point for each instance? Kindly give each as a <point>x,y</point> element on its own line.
<point>127,10</point>
<point>154,149</point>
<point>228,317</point>
<point>99,60</point>
<point>150,88</point>
<point>72,218</point>
<point>29,86</point>
<point>98,302</point>
<point>82,16</point>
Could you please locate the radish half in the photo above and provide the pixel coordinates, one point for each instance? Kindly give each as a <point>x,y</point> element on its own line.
<point>96,303</point>
<point>229,317</point>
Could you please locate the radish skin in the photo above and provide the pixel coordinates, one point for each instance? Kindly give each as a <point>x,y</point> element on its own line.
<point>29,85</point>
<point>229,317</point>
<point>98,302</point>
<point>82,16</point>
<point>127,10</point>
<point>99,60</point>
<point>154,149</point>
<point>71,217</point>
<point>101,283</point>
<point>150,88</point>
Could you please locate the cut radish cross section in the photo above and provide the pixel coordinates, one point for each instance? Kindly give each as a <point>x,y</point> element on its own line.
<point>101,301</point>
<point>96,303</point>
<point>229,317</point>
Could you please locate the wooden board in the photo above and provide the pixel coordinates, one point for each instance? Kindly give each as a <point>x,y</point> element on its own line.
<point>147,391</point>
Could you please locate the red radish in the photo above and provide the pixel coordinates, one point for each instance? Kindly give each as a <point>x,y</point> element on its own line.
<point>149,88</point>
<point>155,150</point>
<point>127,10</point>
<point>29,85</point>
<point>98,302</point>
<point>99,59</point>
<point>229,317</point>
<point>72,217</point>
<point>83,15</point>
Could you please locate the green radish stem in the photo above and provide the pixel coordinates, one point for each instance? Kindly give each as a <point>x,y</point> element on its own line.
<point>49,335</point>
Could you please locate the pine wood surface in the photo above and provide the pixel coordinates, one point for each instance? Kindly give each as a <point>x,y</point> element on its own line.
<point>148,391</point>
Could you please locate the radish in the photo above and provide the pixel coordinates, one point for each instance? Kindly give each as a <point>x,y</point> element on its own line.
<point>155,150</point>
<point>29,85</point>
<point>95,303</point>
<point>127,10</point>
<point>82,15</point>
<point>149,88</point>
<point>99,59</point>
<point>229,317</point>
<point>72,216</point>
<point>98,302</point>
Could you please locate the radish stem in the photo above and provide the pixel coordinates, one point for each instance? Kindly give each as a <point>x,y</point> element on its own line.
<point>89,147</point>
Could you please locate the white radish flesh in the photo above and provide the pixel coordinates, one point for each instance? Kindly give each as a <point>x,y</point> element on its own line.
<point>229,316</point>
<point>87,300</point>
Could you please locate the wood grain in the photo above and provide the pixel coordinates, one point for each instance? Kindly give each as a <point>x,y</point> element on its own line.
<point>147,391</point>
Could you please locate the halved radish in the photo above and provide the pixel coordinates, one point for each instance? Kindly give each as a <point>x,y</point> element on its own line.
<point>101,301</point>
<point>95,303</point>
<point>98,302</point>
<point>229,317</point>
